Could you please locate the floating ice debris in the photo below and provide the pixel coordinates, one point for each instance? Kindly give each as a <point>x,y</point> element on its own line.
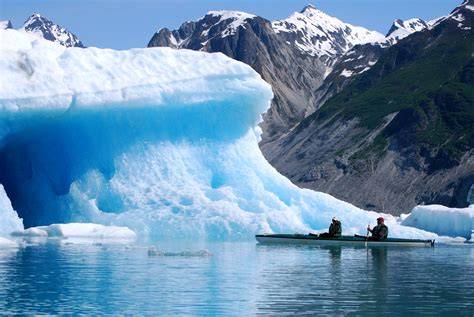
<point>153,251</point>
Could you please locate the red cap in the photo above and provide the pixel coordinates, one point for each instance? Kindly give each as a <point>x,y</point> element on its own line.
<point>380,218</point>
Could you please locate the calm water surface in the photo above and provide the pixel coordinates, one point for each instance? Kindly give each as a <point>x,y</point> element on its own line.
<point>238,279</point>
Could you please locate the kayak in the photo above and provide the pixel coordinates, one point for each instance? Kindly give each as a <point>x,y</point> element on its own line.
<point>355,240</point>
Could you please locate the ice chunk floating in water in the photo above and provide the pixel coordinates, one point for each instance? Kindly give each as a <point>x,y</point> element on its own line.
<point>78,230</point>
<point>162,141</point>
<point>455,222</point>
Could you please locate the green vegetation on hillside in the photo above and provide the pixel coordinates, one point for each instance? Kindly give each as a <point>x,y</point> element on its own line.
<point>428,79</point>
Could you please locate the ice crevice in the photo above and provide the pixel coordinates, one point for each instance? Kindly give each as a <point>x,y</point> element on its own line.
<point>162,141</point>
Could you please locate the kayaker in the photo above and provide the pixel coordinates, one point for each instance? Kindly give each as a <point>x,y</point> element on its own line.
<point>380,231</point>
<point>335,229</point>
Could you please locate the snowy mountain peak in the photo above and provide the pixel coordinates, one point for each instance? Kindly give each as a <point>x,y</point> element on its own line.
<point>461,15</point>
<point>308,8</point>
<point>319,34</point>
<point>34,16</point>
<point>45,28</point>
<point>414,24</point>
<point>36,19</point>
<point>234,20</point>
<point>6,24</point>
<point>224,14</point>
<point>403,28</point>
<point>197,34</point>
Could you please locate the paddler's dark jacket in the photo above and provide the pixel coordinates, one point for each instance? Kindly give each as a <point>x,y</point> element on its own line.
<point>335,229</point>
<point>380,232</point>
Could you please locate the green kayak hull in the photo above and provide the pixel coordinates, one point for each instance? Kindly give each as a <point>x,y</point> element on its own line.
<point>343,240</point>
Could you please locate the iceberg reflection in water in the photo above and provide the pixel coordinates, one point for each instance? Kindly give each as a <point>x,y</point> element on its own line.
<point>239,278</point>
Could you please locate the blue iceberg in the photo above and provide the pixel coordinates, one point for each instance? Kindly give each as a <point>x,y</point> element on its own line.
<point>162,141</point>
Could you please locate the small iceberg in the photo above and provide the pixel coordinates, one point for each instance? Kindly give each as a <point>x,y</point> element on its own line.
<point>453,222</point>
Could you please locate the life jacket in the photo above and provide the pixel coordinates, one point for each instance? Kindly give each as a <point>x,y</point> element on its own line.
<point>335,229</point>
<point>380,231</point>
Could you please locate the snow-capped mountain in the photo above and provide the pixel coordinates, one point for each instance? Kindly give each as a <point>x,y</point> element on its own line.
<point>307,57</point>
<point>6,24</point>
<point>461,15</point>
<point>402,28</point>
<point>294,55</point>
<point>45,28</point>
<point>196,34</point>
<point>318,34</point>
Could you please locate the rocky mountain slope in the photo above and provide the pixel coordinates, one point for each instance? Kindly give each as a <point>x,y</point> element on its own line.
<point>400,133</point>
<point>294,55</point>
<point>45,28</point>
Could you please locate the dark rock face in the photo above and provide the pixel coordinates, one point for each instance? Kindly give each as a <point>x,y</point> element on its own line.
<point>400,133</point>
<point>50,31</point>
<point>353,63</point>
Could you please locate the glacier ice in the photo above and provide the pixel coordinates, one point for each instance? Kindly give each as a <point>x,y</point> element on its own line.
<point>161,141</point>
<point>455,222</point>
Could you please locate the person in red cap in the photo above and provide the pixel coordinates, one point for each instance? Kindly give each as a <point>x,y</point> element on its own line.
<point>380,231</point>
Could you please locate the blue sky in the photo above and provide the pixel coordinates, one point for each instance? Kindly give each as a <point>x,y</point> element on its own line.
<point>123,24</point>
